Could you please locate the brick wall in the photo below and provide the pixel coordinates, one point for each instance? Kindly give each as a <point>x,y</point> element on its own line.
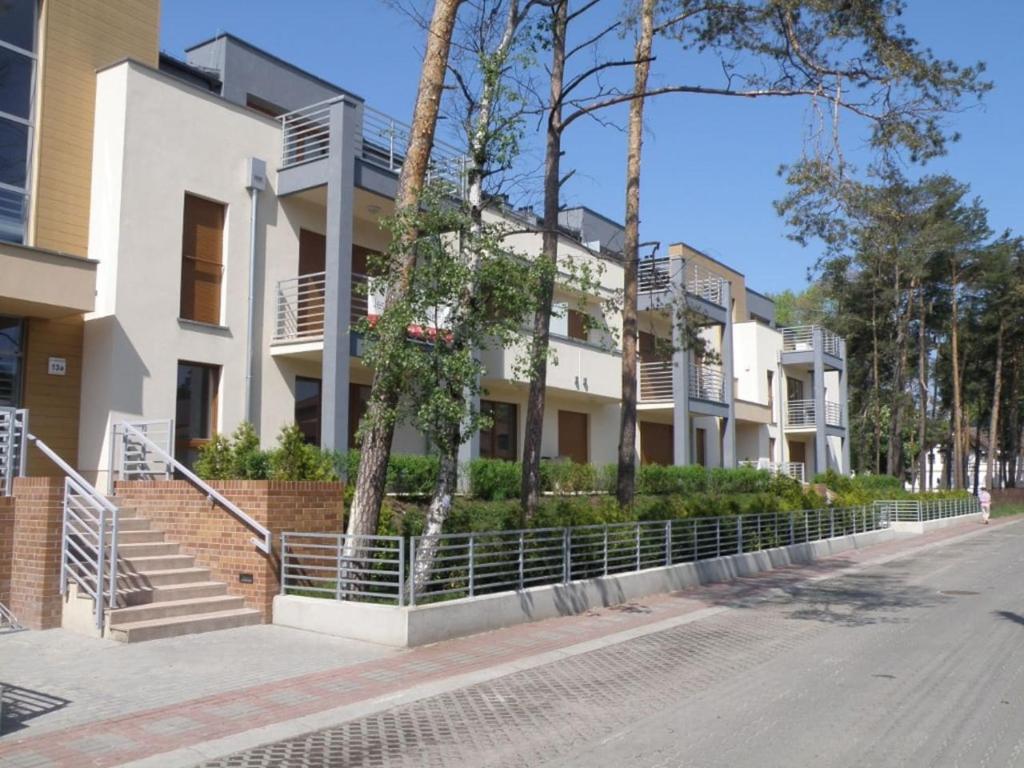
<point>6,547</point>
<point>35,551</point>
<point>222,543</point>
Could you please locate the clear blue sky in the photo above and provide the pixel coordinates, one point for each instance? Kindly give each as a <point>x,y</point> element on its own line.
<point>710,164</point>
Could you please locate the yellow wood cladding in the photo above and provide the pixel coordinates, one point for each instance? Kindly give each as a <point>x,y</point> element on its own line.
<point>77,38</point>
<point>738,283</point>
<point>53,401</point>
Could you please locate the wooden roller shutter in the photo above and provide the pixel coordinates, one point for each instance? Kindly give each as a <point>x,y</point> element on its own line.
<point>202,260</point>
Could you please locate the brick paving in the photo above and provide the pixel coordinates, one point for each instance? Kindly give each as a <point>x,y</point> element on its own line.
<point>154,730</point>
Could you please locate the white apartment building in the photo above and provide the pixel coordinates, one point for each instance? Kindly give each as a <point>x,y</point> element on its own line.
<point>234,201</point>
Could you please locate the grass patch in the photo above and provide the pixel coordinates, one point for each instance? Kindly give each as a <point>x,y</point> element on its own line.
<point>1007,510</point>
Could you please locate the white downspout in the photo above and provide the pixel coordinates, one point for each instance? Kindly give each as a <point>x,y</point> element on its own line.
<point>256,179</point>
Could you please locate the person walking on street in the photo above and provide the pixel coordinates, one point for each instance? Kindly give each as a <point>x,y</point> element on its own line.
<point>986,504</point>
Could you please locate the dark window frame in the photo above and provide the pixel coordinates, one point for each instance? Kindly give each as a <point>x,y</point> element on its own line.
<point>489,437</point>
<point>187,444</point>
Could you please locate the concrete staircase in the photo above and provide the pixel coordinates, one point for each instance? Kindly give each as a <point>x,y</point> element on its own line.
<point>162,593</point>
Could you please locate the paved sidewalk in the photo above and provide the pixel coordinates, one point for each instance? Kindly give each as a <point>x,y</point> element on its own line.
<point>156,719</point>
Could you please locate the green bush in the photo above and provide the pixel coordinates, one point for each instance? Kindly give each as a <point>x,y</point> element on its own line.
<point>295,459</point>
<point>214,459</point>
<point>656,479</point>
<point>494,479</point>
<point>412,474</point>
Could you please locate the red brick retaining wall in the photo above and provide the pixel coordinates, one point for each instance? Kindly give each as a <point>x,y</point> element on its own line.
<point>221,542</point>
<point>35,551</point>
<point>6,547</point>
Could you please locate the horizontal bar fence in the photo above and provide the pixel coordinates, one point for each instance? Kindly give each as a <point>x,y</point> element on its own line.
<point>384,569</point>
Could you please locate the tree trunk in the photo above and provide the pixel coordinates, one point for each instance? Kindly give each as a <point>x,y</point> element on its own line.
<point>922,384</point>
<point>1012,419</point>
<point>530,494</point>
<point>956,417</point>
<point>993,429</point>
<point>631,255</point>
<point>894,454</point>
<point>876,384</point>
<point>384,393</point>
<point>438,512</point>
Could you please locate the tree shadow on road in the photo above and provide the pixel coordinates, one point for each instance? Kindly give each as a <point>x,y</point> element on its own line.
<point>1016,618</point>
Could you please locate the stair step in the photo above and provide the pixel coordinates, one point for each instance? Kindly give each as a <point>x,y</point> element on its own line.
<point>174,608</point>
<point>130,524</point>
<point>158,563</point>
<point>133,550</point>
<point>165,577</point>
<point>153,629</point>
<point>138,537</point>
<point>188,591</point>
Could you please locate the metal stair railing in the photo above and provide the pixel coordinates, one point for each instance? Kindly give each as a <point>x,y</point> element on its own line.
<point>13,438</point>
<point>132,434</point>
<point>88,537</point>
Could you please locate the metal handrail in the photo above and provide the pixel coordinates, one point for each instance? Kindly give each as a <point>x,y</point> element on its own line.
<point>655,381</point>
<point>301,305</point>
<point>794,469</point>
<point>707,383</point>
<point>87,513</point>
<point>833,414</point>
<point>13,440</point>
<point>264,544</point>
<point>800,413</point>
<point>799,338</point>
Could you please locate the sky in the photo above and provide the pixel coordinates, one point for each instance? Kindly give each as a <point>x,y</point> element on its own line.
<point>710,164</point>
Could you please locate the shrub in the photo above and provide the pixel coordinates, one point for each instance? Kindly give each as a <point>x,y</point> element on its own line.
<point>248,461</point>
<point>494,479</point>
<point>656,479</point>
<point>214,460</point>
<point>412,474</point>
<point>295,459</point>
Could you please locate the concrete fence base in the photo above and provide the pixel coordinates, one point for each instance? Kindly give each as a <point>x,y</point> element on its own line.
<point>421,625</point>
<point>932,525</point>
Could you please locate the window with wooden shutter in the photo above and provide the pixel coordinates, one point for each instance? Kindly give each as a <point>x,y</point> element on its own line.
<point>577,325</point>
<point>202,260</point>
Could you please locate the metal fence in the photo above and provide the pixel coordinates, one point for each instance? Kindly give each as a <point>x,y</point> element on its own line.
<point>707,383</point>
<point>916,511</point>
<point>13,437</point>
<point>383,569</point>
<point>801,338</point>
<point>655,381</point>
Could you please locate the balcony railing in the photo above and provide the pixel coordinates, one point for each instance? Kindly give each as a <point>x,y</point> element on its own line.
<point>655,381</point>
<point>707,383</point>
<point>801,338</point>
<point>382,140</point>
<point>794,469</point>
<point>801,413</point>
<point>654,275</point>
<point>300,306</point>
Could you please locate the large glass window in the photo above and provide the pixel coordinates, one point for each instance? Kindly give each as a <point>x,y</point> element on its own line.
<point>12,345</point>
<point>499,442</point>
<point>196,412</point>
<point>307,407</point>
<point>17,79</point>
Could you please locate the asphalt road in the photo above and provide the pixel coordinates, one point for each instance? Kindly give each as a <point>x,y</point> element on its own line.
<point>918,662</point>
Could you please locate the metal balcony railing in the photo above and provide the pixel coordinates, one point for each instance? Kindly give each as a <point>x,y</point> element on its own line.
<point>300,306</point>
<point>833,414</point>
<point>654,275</point>
<point>800,413</point>
<point>381,140</point>
<point>801,338</point>
<point>13,441</point>
<point>655,381</point>
<point>707,383</point>
<point>794,469</point>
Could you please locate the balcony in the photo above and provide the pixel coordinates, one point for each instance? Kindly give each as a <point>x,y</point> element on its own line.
<point>654,276</point>
<point>801,339</point>
<point>795,469</point>
<point>380,141</point>
<point>706,382</point>
<point>578,367</point>
<point>800,414</point>
<point>300,306</point>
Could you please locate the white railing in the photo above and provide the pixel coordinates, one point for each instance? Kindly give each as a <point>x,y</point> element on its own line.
<point>131,434</point>
<point>383,141</point>
<point>833,414</point>
<point>13,440</point>
<point>800,413</point>
<point>800,338</point>
<point>654,276</point>
<point>704,283</point>
<point>707,383</point>
<point>301,305</point>
<point>88,537</point>
<point>134,459</point>
<point>337,565</point>
<point>794,469</point>
<point>917,511</point>
<point>655,381</point>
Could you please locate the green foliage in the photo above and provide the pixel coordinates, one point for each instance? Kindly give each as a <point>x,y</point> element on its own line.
<point>241,458</point>
<point>214,459</point>
<point>494,479</point>
<point>295,459</point>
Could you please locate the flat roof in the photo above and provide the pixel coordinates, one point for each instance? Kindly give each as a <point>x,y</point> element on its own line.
<point>709,258</point>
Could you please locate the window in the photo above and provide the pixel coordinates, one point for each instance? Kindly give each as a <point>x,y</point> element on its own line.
<point>202,259</point>
<point>307,407</point>
<point>569,323</point>
<point>771,390</point>
<point>794,389</point>
<point>12,345</point>
<point>358,401</point>
<point>196,412</point>
<point>578,323</point>
<point>499,442</point>
<point>17,77</point>
<point>771,449</point>
<point>574,436</point>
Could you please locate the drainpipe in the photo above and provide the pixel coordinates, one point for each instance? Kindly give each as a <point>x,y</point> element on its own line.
<point>256,180</point>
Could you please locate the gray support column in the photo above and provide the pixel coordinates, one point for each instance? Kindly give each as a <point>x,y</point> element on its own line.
<point>820,438</point>
<point>680,369</point>
<point>782,448</point>
<point>728,385</point>
<point>844,407</point>
<point>338,278</point>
